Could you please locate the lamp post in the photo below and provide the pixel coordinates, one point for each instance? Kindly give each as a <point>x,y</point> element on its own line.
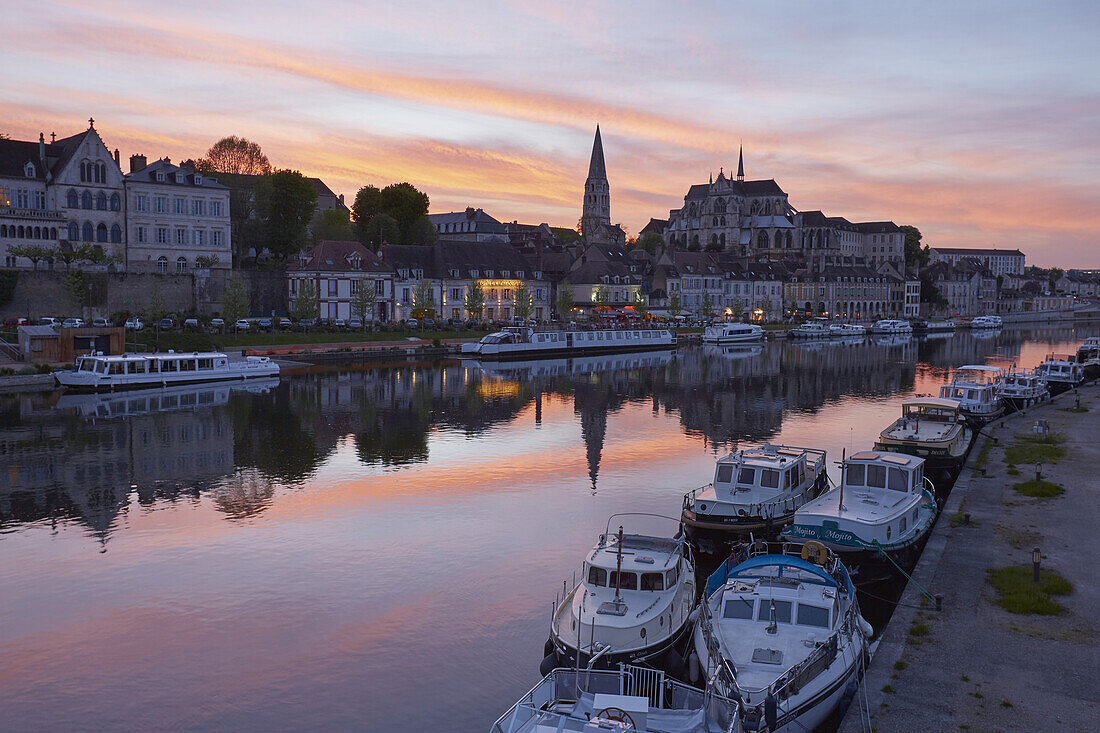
<point>1036,558</point>
<point>1038,472</point>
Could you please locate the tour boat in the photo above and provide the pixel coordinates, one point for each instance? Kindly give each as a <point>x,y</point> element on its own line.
<point>632,605</point>
<point>1021,390</point>
<point>732,333</point>
<point>782,633</point>
<point>847,330</point>
<point>891,326</point>
<point>755,490</point>
<point>625,700</point>
<point>97,372</point>
<point>930,428</point>
<point>986,322</point>
<point>879,515</point>
<point>1061,371</point>
<point>939,326</point>
<point>975,386</point>
<point>526,343</point>
<point>148,401</point>
<point>815,329</point>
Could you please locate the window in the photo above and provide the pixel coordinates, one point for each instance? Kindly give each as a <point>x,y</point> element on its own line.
<point>769,478</point>
<point>181,264</point>
<point>160,204</point>
<point>626,580</point>
<point>198,207</point>
<point>86,232</point>
<point>737,608</point>
<point>162,235</point>
<point>160,176</point>
<point>179,206</point>
<point>725,473</point>
<point>876,477</point>
<point>71,200</point>
<point>74,231</point>
<point>162,264</point>
<point>200,237</point>
<point>746,476</point>
<point>141,203</point>
<point>653,581</point>
<point>671,576</point>
<point>333,286</point>
<point>216,237</point>
<point>116,234</point>
<point>853,474</point>
<point>85,171</point>
<point>181,236</point>
<point>215,208</point>
<point>22,199</point>
<point>897,481</point>
<point>354,287</point>
<point>142,235</point>
<point>39,199</point>
<point>782,611</point>
<point>86,200</point>
<point>597,576</point>
<point>813,616</point>
<point>101,201</point>
<point>901,525</point>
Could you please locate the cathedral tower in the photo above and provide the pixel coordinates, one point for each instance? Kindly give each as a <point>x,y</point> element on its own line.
<point>597,194</point>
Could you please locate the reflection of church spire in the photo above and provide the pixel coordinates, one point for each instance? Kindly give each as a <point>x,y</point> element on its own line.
<point>593,429</point>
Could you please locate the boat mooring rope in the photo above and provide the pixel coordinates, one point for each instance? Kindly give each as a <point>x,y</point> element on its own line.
<point>924,591</point>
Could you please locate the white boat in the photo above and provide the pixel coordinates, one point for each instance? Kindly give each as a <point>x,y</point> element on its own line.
<point>1061,371</point>
<point>526,343</point>
<point>879,515</point>
<point>755,490</point>
<point>847,330</point>
<point>931,428</point>
<point>1089,350</point>
<point>129,371</point>
<point>986,322</point>
<point>632,605</point>
<point>815,329</point>
<point>939,327</point>
<point>892,326</point>
<point>783,635</point>
<point>732,333</point>
<point>975,386</point>
<point>618,701</point>
<point>1021,390</point>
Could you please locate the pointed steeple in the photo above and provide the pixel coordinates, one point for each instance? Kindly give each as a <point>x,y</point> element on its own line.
<point>596,168</point>
<point>741,163</point>
<point>596,210</point>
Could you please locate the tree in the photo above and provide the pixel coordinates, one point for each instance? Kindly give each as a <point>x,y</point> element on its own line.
<point>285,202</point>
<point>915,257</point>
<point>421,231</point>
<point>565,236</point>
<point>766,309</point>
<point>367,205</point>
<point>641,304</point>
<point>564,302</point>
<point>305,306</point>
<point>68,254</point>
<point>207,262</point>
<point>331,224</point>
<point>521,304</point>
<point>33,252</point>
<point>706,307</point>
<point>235,302</point>
<point>403,203</point>
<point>737,308</point>
<point>365,300</point>
<point>475,300</point>
<point>423,300</point>
<point>382,229</point>
<point>675,304</point>
<point>1054,276</point>
<point>157,309</point>
<point>601,295</point>
<point>236,155</point>
<point>650,242</point>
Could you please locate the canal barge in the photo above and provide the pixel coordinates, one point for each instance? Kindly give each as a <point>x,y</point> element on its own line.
<point>847,330</point>
<point>732,333</point>
<point>526,343</point>
<point>892,326</point>
<point>815,329</point>
<point>930,428</point>
<point>782,632</point>
<point>1061,372</point>
<point>1021,390</point>
<point>754,492</point>
<point>986,322</point>
<point>632,605</point>
<point>130,371</point>
<point>976,388</point>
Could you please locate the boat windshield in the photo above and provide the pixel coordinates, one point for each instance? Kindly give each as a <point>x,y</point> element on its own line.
<point>87,365</point>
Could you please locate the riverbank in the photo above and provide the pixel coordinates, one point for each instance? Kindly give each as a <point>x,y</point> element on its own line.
<point>976,665</point>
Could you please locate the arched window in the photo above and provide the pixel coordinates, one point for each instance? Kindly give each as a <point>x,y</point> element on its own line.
<point>71,199</point>
<point>86,200</point>
<point>723,220</point>
<point>74,231</point>
<point>116,233</point>
<point>38,232</point>
<point>722,240</point>
<point>85,171</point>
<point>762,240</point>
<point>101,201</point>
<point>53,232</point>
<point>788,239</point>
<point>181,264</point>
<point>86,231</point>
<point>720,205</point>
<point>101,233</point>
<point>162,264</point>
<point>28,170</point>
<point>116,203</point>
<point>3,230</point>
<point>21,234</point>
<point>100,172</point>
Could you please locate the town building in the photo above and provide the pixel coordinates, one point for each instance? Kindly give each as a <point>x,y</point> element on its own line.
<point>338,272</point>
<point>997,261</point>
<point>471,225</point>
<point>606,274</point>
<point>843,288</point>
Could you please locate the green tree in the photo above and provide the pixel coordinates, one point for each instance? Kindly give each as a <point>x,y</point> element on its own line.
<point>364,301</point>
<point>915,256</point>
<point>403,203</point>
<point>564,302</point>
<point>157,308</point>
<point>382,230</point>
<point>235,302</point>
<point>423,300</point>
<point>706,306</point>
<point>650,242</point>
<point>475,300</point>
<point>367,205</point>
<point>521,304</point>
<point>421,231</point>
<point>285,202</point>
<point>306,305</point>
<point>737,309</point>
<point>33,252</point>
<point>207,262</point>
<point>601,295</point>
<point>675,304</point>
<point>766,309</point>
<point>565,236</point>
<point>235,155</point>
<point>68,254</point>
<point>641,304</point>
<point>331,224</point>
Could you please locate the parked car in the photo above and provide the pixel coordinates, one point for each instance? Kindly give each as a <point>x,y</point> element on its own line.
<point>412,323</point>
<point>264,323</point>
<point>73,323</point>
<point>16,322</point>
<point>192,324</point>
<point>306,323</point>
<point>135,323</point>
<point>218,323</point>
<point>429,323</point>
<point>49,321</point>
<point>242,325</point>
<point>167,324</point>
<point>356,323</point>
<point>101,323</point>
<point>285,323</point>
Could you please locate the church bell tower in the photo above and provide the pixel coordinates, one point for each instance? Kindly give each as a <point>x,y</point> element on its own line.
<point>597,194</point>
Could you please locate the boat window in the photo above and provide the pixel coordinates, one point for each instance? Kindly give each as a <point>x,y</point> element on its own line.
<point>653,581</point>
<point>801,472</point>
<point>813,616</point>
<point>206,363</point>
<point>725,473</point>
<point>769,478</point>
<point>671,576</point>
<point>897,480</point>
<point>876,477</point>
<point>737,608</point>
<point>746,476</point>
<point>118,367</point>
<point>627,581</point>
<point>792,476</point>
<point>169,365</point>
<point>597,576</point>
<point>901,525</point>
<point>918,477</point>
<point>87,365</point>
<point>782,611</point>
<point>853,474</point>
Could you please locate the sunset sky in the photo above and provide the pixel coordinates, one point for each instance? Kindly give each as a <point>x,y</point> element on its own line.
<point>977,122</point>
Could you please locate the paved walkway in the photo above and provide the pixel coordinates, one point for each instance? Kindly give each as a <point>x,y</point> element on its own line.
<point>979,667</point>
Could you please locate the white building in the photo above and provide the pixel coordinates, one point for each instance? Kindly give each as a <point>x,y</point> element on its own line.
<point>997,261</point>
<point>338,271</point>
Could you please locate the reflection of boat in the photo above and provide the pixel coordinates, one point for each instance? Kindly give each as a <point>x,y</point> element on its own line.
<point>587,364</point>
<point>847,330</point>
<point>782,632</point>
<point>930,428</point>
<point>1061,371</point>
<point>881,509</point>
<point>734,351</point>
<point>984,334</point>
<point>159,399</point>
<point>621,701</point>
<point>986,322</point>
<point>896,339</point>
<point>147,370</point>
<point>519,343</point>
<point>891,326</point>
<point>732,333</point>
<point>632,604</point>
<point>1020,390</point>
<point>939,327</point>
<point>815,329</point>
<point>975,387</point>
<point>755,490</point>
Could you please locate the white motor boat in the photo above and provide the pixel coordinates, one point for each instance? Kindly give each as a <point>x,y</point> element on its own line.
<point>732,333</point>
<point>627,700</point>
<point>526,343</point>
<point>1089,350</point>
<point>782,633</point>
<point>1061,372</point>
<point>930,428</point>
<point>815,329</point>
<point>847,330</point>
<point>632,605</point>
<point>129,371</point>
<point>879,516</point>
<point>734,351</point>
<point>892,326</point>
<point>755,490</point>
<point>1021,390</point>
<point>986,322</point>
<point>976,387</point>
<point>939,327</point>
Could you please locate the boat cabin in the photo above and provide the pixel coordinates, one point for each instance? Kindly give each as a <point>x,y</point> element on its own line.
<point>884,470</point>
<point>647,564</point>
<point>169,363</point>
<point>766,470</point>
<point>1062,368</point>
<point>933,409</point>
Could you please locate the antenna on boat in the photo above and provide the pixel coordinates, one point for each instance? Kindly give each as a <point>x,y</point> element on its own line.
<point>619,566</point>
<point>840,506</point>
<point>773,627</point>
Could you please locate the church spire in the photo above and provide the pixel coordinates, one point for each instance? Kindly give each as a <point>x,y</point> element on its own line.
<point>596,210</point>
<point>596,168</point>
<point>741,162</point>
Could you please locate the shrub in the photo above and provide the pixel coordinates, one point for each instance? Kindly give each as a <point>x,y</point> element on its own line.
<point>43,369</point>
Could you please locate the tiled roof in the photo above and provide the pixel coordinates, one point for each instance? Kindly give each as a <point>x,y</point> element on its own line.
<point>15,154</point>
<point>964,251</point>
<point>333,256</point>
<point>148,174</point>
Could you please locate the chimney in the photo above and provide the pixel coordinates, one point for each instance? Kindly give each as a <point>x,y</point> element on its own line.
<point>341,197</point>
<point>42,150</point>
<point>137,163</point>
<point>117,162</point>
<point>469,212</point>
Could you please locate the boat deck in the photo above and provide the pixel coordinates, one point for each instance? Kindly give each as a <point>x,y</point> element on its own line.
<point>909,429</point>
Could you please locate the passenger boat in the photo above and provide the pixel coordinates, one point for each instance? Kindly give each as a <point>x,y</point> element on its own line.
<point>815,329</point>
<point>891,326</point>
<point>782,633</point>
<point>632,605</point>
<point>526,343</point>
<point>986,322</point>
<point>975,387</point>
<point>847,330</point>
<point>930,428</point>
<point>880,515</point>
<point>128,371</point>
<point>734,351</point>
<point>939,326</point>
<point>1021,390</point>
<point>618,701</point>
<point>1061,372</point>
<point>755,490</point>
<point>732,333</point>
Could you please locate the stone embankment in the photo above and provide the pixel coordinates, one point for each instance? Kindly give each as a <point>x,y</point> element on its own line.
<point>976,665</point>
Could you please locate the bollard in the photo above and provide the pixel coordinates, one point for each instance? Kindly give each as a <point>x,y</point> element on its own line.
<point>939,601</point>
<point>1038,472</point>
<point>1036,558</point>
<point>966,519</point>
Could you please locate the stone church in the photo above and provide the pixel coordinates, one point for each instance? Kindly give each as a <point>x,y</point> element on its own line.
<point>596,226</point>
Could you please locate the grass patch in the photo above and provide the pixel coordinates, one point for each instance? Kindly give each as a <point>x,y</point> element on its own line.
<point>964,678</point>
<point>1005,704</point>
<point>888,689</point>
<point>900,664</point>
<point>1018,594</point>
<point>976,695</point>
<point>1082,408</point>
<point>1039,489</point>
<point>918,629</point>
<point>1019,538</point>
<point>1013,471</point>
<point>958,519</point>
<point>1033,449</point>
<point>983,454</point>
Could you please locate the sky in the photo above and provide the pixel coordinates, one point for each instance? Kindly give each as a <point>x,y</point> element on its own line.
<point>977,122</point>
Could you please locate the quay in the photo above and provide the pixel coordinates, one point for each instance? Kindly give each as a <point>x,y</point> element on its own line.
<point>974,665</point>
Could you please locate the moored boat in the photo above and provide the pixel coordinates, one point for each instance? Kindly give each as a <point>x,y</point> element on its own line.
<point>986,322</point>
<point>847,330</point>
<point>1061,372</point>
<point>930,428</point>
<point>732,333</point>
<point>975,387</point>
<point>755,491</point>
<point>939,326</point>
<point>1088,354</point>
<point>129,371</point>
<point>1021,390</point>
<point>815,329</point>
<point>526,343</point>
<point>891,326</point>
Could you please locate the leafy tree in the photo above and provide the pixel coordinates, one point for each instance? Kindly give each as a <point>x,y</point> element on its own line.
<point>737,308</point>
<point>601,295</point>
<point>306,305</point>
<point>367,205</point>
<point>331,224</point>
<point>207,262</point>
<point>157,308</point>
<point>364,301</point>
<point>641,304</point>
<point>675,304</point>
<point>423,300</point>
<point>403,203</point>
<point>475,299</point>
<point>766,308</point>
<point>564,302</point>
<point>235,155</point>
<point>915,257</point>
<point>650,242</point>
<point>565,236</point>
<point>382,229</point>
<point>421,231</point>
<point>706,307</point>
<point>521,304</point>
<point>235,302</point>
<point>285,202</point>
<point>33,252</point>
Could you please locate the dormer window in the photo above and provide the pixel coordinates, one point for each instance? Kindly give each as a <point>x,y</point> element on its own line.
<point>538,274</point>
<point>404,274</point>
<point>454,274</point>
<point>160,176</point>
<point>474,274</point>
<point>28,170</point>
<point>505,273</point>
<point>489,273</point>
<point>519,274</point>
<point>355,263</point>
<point>177,177</point>
<point>198,179</point>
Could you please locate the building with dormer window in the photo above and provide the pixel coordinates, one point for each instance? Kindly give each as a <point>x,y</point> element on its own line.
<point>338,270</point>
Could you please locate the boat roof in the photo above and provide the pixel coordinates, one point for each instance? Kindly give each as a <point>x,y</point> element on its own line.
<point>932,402</point>
<point>899,459</point>
<point>663,553</point>
<point>782,561</point>
<point>980,368</point>
<point>169,355</point>
<point>767,452</point>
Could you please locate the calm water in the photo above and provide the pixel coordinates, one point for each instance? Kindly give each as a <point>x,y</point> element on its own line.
<point>375,548</point>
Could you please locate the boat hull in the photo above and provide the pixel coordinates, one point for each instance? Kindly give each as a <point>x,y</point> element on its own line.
<point>654,655</point>
<point>105,383</point>
<point>739,339</point>
<point>578,350</point>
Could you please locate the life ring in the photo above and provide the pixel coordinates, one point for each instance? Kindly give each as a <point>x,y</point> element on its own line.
<point>815,552</point>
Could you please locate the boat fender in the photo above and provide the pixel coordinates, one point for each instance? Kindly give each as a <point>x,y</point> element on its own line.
<point>771,711</point>
<point>694,673</point>
<point>846,698</point>
<point>548,647</point>
<point>815,552</point>
<point>693,616</point>
<point>868,630</point>
<point>548,665</point>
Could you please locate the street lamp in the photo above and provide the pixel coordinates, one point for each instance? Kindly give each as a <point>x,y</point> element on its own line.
<point>1036,558</point>
<point>1038,472</point>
